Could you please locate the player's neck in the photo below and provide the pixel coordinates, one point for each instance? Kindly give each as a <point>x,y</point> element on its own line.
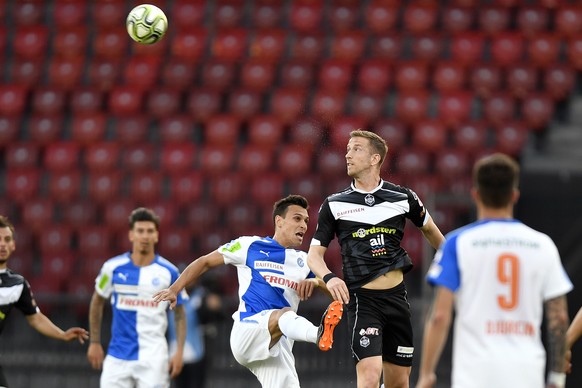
<point>367,182</point>
<point>489,213</point>
<point>142,260</point>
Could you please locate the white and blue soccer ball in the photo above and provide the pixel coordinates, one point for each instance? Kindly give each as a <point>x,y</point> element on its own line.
<point>146,24</point>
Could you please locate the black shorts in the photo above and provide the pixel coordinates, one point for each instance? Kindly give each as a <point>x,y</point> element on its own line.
<point>380,325</point>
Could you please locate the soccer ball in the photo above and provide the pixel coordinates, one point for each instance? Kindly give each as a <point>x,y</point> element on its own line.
<point>146,24</point>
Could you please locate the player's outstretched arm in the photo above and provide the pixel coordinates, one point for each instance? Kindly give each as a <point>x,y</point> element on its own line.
<point>190,275</point>
<point>336,286</point>
<point>432,234</point>
<point>45,326</point>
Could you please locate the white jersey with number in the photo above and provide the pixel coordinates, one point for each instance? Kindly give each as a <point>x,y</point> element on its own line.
<point>502,272</point>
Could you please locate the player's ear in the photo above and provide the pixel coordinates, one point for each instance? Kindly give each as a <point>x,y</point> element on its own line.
<point>515,196</point>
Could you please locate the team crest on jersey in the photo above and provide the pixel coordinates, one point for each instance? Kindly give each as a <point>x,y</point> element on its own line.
<point>155,282</point>
<point>300,262</point>
<point>364,342</point>
<point>370,200</point>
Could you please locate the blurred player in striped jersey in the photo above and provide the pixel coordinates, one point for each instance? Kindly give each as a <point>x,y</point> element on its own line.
<point>500,275</point>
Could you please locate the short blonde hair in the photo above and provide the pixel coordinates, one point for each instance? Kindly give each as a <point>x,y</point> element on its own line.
<point>378,144</point>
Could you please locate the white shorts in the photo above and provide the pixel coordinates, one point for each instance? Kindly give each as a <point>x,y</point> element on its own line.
<point>249,341</point>
<point>118,373</point>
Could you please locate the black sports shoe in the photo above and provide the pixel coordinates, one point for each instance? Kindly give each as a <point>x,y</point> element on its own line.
<point>329,320</point>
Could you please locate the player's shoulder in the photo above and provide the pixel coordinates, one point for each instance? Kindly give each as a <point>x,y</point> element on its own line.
<point>163,262</point>
<point>342,194</point>
<point>117,261</point>
<point>242,243</point>
<point>11,279</point>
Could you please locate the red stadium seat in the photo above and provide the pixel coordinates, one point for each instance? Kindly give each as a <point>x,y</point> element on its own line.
<point>38,214</point>
<point>307,47</point>
<point>25,72</point>
<point>381,16</point>
<point>142,72</point>
<point>69,13</point>
<point>230,44</point>
<point>21,185</point>
<point>266,14</point>
<point>131,129</point>
<point>532,19</point>
<point>268,45</point>
<point>455,107</point>
<point>145,187</point>
<point>45,129</point>
<point>510,137</point>
<point>537,109</point>
<point>48,100</point>
<point>368,106</point>
<point>222,129</point>
<point>574,51</point>
<point>104,186</point>
<point>412,106</point>
<point>163,102</point>
<point>12,100</point>
<point>70,42</point>
<point>331,162</point>
<point>257,75</point>
<point>521,80</point>
<point>86,100</point>
<point>387,46</point>
<point>485,79</point>
<point>187,13</point>
<point>328,105</point>
<point>125,100</point>
<point>507,48</point>
<point>470,136</point>
<point>412,161</point>
<point>265,130</point>
<point>65,187</point>
<point>452,163</point>
<point>56,239</point>
<point>228,14</point>
<point>21,155</point>
<point>95,240</point>
<point>177,73</point>
<point>9,127</point>
<point>177,158</point>
<point>202,103</point>
<point>568,20</point>
<point>267,188</point>
<point>467,47</point>
<point>244,103</point>
<point>175,244</point>
<point>339,132</point>
<point>429,135</point>
<point>107,14</point>
<point>296,74</point>
<point>287,103</point>
<point>218,75</point>
<point>190,44</point>
<point>111,43</point>
<point>57,266</point>
<point>457,18</point>
<point>310,186</point>
<point>104,73</point>
<point>420,17</point>
<point>493,19</point>
<point>499,108</point>
<point>449,76</point>
<point>102,156</point>
<point>294,160</point>
<point>28,13</point>
<point>254,159</point>
<point>559,80</point>
<point>374,76</point>
<point>306,16</point>
<point>335,75</point>
<point>61,156</point>
<point>87,128</point>
<point>393,131</point>
<point>186,188</point>
<point>424,185</point>
<point>411,75</point>
<point>348,45</point>
<point>167,210</point>
<point>30,42</point>
<point>307,132</point>
<point>543,49</point>
<point>342,16</point>
<point>427,47</point>
<point>176,129</point>
<point>226,189</point>
<point>217,159</point>
<point>243,218</point>
<point>201,217</point>
<point>116,215</point>
<point>139,157</point>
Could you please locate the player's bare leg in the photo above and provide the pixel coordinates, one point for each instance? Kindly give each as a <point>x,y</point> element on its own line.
<point>396,376</point>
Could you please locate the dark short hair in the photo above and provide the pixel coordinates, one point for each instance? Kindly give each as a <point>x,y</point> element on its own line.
<point>495,177</point>
<point>5,223</point>
<point>143,214</point>
<point>280,207</point>
<point>378,144</point>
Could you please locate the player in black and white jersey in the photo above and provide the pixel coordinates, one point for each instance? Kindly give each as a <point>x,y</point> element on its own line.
<point>368,219</point>
<point>15,292</point>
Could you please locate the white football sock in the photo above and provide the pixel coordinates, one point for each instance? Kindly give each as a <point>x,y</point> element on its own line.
<point>297,328</point>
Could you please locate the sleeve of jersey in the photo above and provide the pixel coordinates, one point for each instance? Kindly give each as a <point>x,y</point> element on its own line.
<point>103,282</point>
<point>557,281</point>
<point>444,269</point>
<point>26,302</point>
<point>417,213</point>
<point>235,252</point>
<point>325,232</point>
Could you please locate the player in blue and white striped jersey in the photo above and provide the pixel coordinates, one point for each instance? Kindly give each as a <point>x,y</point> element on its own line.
<point>273,278</point>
